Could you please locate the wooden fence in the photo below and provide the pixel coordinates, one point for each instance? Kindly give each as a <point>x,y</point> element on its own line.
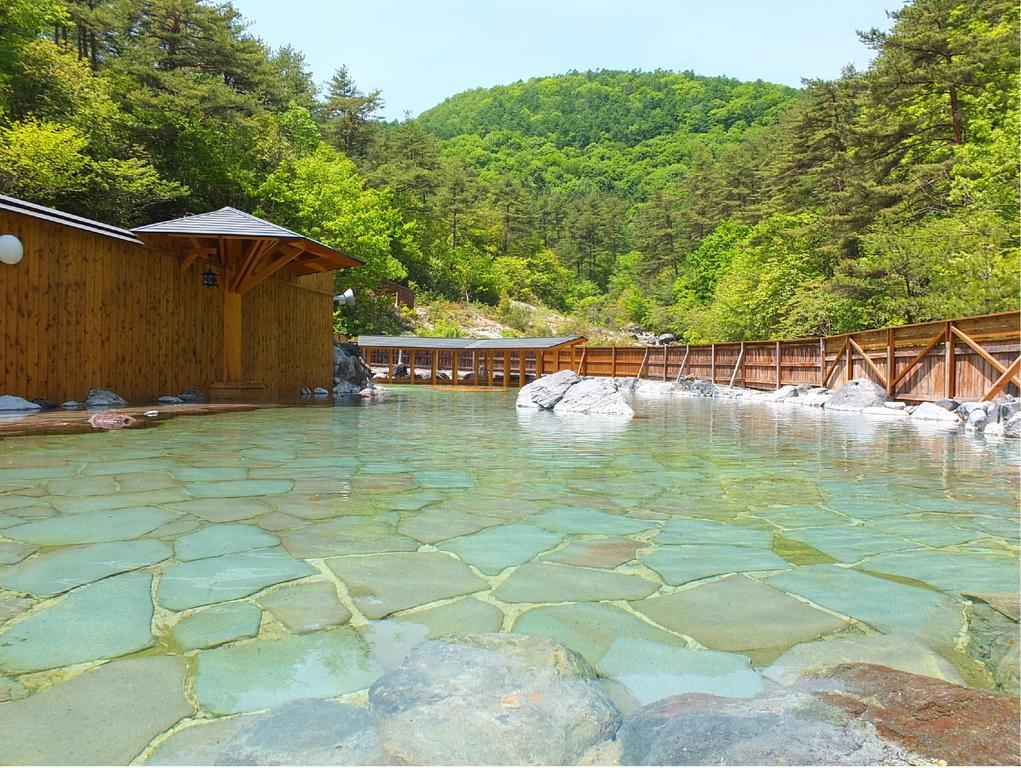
<point>973,358</point>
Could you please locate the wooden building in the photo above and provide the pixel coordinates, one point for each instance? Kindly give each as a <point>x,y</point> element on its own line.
<point>488,362</point>
<point>224,301</point>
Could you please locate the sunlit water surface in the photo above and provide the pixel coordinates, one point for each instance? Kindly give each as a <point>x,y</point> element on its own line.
<point>301,551</point>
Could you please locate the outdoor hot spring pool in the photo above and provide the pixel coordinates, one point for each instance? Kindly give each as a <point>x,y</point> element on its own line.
<point>230,563</point>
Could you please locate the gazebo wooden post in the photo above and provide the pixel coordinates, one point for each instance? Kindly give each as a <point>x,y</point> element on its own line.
<point>433,357</point>
<point>506,367</point>
<point>490,357</point>
<point>411,365</point>
<point>455,363</point>
<point>231,336</point>
<point>390,365</point>
<point>521,367</point>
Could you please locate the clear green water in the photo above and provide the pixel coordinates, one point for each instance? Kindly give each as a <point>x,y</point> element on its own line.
<point>711,546</point>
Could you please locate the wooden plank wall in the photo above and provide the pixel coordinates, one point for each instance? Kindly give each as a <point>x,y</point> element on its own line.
<point>83,310</point>
<point>771,364</point>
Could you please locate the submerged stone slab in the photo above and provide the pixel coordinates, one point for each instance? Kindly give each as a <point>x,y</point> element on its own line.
<point>218,579</point>
<point>896,651</point>
<point>886,605</point>
<point>222,540</point>
<point>651,671</point>
<point>694,531</point>
<point>306,607</point>
<point>739,614</point>
<point>849,543</point>
<point>216,625</point>
<point>10,690</point>
<point>385,583</point>
<point>54,572</point>
<point>345,536</point>
<point>466,615</point>
<point>795,516</point>
<point>105,485</point>
<point>105,716</point>
<point>238,488</point>
<point>494,549</point>
<point>555,583</point>
<point>223,510</point>
<point>588,628</point>
<point>265,673</point>
<point>99,621</point>
<point>439,523</point>
<point>926,530</point>
<point>596,553</point>
<point>444,478</point>
<point>681,564</point>
<point>90,528</point>
<point>588,521</point>
<point>13,606</point>
<point>305,732</point>
<point>490,700</point>
<point>12,552</point>
<point>75,505</point>
<point>955,572</point>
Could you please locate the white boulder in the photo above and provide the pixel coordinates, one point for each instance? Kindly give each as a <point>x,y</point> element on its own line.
<point>932,412</point>
<point>595,397</point>
<point>546,392</point>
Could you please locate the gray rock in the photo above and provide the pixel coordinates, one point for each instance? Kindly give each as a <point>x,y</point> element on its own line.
<point>105,716</point>
<point>598,397</point>
<point>697,386</point>
<point>193,395</point>
<point>948,404</point>
<point>790,727</point>
<point>71,405</point>
<point>320,392</point>
<point>305,732</point>
<point>666,338</point>
<point>857,395</point>
<point>42,402</point>
<point>1013,426</point>
<point>496,699</point>
<point>347,389</point>
<point>1007,408</point>
<point>15,403</point>
<point>932,412</point>
<point>169,400</point>
<point>546,391</point>
<point>104,397</point>
<point>786,391</point>
<point>348,367</point>
<point>977,420</point>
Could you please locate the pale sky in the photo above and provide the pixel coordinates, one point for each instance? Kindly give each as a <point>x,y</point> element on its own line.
<point>419,52</point>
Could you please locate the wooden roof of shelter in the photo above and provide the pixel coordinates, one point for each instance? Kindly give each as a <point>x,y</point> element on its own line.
<point>208,232</point>
<point>423,342</point>
<point>14,205</point>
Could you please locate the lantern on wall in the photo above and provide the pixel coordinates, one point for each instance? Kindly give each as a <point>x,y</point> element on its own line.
<point>11,249</point>
<point>345,299</point>
<point>209,279</point>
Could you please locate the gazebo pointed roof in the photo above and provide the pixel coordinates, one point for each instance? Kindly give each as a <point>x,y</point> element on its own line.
<point>230,223</point>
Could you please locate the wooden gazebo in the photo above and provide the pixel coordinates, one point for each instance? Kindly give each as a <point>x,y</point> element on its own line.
<point>245,250</point>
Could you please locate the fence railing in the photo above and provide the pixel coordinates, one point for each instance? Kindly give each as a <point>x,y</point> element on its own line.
<point>974,358</point>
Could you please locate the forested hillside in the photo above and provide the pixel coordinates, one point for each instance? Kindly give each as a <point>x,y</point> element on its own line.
<point>712,208</point>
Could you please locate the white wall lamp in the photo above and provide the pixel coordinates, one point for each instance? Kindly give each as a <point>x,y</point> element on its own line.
<point>11,249</point>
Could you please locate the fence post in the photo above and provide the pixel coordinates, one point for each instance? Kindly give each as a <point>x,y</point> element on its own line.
<point>778,365</point>
<point>850,360</point>
<point>822,361</point>
<point>950,386</point>
<point>390,365</point>
<point>666,360</point>
<point>613,361</point>
<point>712,363</point>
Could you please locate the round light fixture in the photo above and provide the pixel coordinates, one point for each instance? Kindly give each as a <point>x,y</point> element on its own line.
<point>11,249</point>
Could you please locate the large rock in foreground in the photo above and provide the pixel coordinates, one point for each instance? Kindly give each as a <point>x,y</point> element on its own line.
<point>494,699</point>
<point>940,720</point>
<point>857,395</point>
<point>789,727</point>
<point>600,397</point>
<point>546,392</point>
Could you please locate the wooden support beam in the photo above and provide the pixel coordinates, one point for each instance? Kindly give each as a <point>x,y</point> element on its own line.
<point>256,250</point>
<point>232,337</point>
<point>684,362</point>
<point>850,359</point>
<point>891,363</point>
<point>540,358</point>
<point>455,365</point>
<point>1003,381</point>
<point>875,368</point>
<point>191,255</point>
<point>506,368</point>
<point>822,362</point>
<point>490,356</point>
<point>833,367</point>
<point>918,358</point>
<point>737,365</point>
<point>434,357</point>
<point>666,360</point>
<point>390,365</point>
<point>411,365</point>
<point>613,361</point>
<point>288,254</point>
<point>981,352</point>
<point>574,357</point>
<point>581,364</point>
<point>521,367</point>
<point>712,364</point>
<point>641,368</point>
